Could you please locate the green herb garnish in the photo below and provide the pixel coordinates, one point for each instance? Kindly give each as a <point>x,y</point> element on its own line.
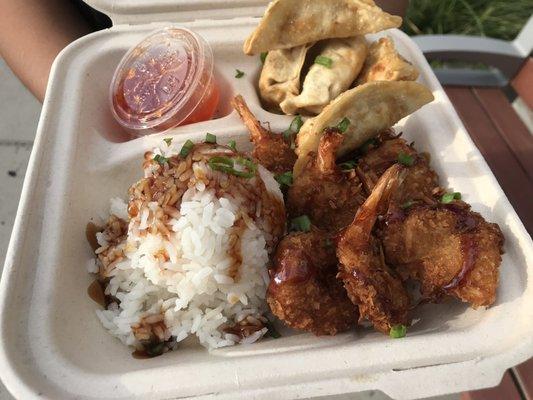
<point>343,125</point>
<point>160,159</point>
<point>168,141</point>
<point>368,143</point>
<point>271,330</point>
<point>232,145</point>
<point>296,124</point>
<point>348,165</point>
<point>407,204</point>
<point>186,149</point>
<point>284,179</point>
<point>221,160</point>
<point>449,197</point>
<point>288,135</point>
<point>294,128</point>
<point>398,331</point>
<point>325,61</point>
<point>239,74</point>
<point>227,165</point>
<point>301,223</point>
<point>406,159</point>
<point>210,138</point>
<point>252,168</point>
<point>264,56</point>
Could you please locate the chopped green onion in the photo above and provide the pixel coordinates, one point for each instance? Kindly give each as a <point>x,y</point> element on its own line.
<point>232,145</point>
<point>343,125</point>
<point>186,149</point>
<point>221,160</point>
<point>348,165</point>
<point>449,197</point>
<point>405,159</point>
<point>264,56</point>
<point>227,165</point>
<point>368,143</point>
<point>398,331</point>
<point>210,138</point>
<point>168,141</point>
<point>160,159</point>
<point>325,61</point>
<point>271,330</point>
<point>301,223</point>
<point>252,168</point>
<point>284,179</point>
<point>407,204</point>
<point>238,74</point>
<point>288,134</point>
<point>296,124</point>
<point>294,128</point>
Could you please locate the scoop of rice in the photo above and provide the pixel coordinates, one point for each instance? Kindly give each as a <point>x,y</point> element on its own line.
<point>188,254</point>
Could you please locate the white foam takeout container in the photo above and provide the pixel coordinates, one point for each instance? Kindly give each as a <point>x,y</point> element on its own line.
<point>53,345</point>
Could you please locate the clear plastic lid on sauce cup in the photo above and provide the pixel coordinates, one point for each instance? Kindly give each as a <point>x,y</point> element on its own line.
<point>165,81</point>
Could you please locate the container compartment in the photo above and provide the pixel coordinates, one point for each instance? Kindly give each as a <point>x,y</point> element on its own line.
<point>56,347</point>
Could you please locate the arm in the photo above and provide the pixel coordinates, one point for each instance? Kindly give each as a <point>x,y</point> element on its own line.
<point>32,33</point>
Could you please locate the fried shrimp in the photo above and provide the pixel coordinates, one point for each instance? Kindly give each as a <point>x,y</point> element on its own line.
<point>325,193</point>
<point>270,149</point>
<point>448,248</point>
<point>369,282</point>
<point>420,182</point>
<point>304,291</point>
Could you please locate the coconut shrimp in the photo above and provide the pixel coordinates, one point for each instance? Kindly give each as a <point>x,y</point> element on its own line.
<point>420,182</point>
<point>270,149</point>
<point>323,191</point>
<point>369,282</point>
<point>304,291</point>
<point>448,248</point>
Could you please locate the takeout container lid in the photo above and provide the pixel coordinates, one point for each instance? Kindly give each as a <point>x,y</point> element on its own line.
<point>148,11</point>
<point>53,344</point>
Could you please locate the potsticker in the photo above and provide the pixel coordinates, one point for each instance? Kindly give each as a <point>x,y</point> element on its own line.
<point>280,77</point>
<point>334,70</point>
<point>362,112</point>
<point>289,23</point>
<point>385,64</point>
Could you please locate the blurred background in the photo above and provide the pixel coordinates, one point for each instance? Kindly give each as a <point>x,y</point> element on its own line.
<point>490,83</point>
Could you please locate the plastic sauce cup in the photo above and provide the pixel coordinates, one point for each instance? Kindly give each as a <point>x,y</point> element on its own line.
<point>165,81</point>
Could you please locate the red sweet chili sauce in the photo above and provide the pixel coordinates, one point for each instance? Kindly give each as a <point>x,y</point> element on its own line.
<point>165,81</point>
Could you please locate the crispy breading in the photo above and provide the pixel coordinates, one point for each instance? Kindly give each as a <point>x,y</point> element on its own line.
<point>270,149</point>
<point>304,291</point>
<point>420,182</point>
<point>326,194</point>
<point>448,248</point>
<point>369,282</point>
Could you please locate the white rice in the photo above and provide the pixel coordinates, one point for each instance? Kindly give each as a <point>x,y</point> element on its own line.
<point>194,290</point>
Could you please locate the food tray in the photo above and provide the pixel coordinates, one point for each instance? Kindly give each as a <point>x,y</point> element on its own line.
<point>55,347</point>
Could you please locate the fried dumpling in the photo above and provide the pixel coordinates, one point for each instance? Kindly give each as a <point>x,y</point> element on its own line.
<point>280,77</point>
<point>289,23</point>
<point>385,64</point>
<point>365,111</point>
<point>343,59</point>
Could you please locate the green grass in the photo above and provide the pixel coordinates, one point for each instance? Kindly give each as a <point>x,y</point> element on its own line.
<point>501,19</point>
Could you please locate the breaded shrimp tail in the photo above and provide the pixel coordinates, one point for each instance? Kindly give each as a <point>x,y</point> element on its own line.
<point>369,282</point>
